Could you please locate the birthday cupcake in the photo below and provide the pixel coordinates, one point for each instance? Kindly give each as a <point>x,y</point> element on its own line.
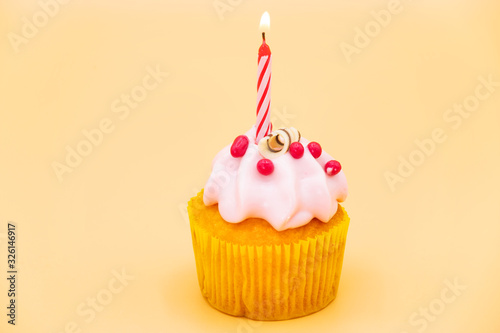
<point>268,231</point>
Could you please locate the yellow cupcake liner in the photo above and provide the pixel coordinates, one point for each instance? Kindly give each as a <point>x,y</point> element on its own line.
<point>270,282</point>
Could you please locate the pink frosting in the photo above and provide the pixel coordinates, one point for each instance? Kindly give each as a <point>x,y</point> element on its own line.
<point>297,191</point>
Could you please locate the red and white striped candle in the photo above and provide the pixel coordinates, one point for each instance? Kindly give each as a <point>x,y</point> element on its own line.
<point>263,122</point>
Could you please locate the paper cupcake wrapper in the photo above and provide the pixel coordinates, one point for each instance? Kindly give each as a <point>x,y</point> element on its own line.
<point>271,282</point>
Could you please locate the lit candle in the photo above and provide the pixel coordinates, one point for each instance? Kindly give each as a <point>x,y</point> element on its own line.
<point>263,123</point>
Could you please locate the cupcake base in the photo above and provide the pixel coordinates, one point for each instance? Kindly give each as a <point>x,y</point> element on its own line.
<point>249,269</point>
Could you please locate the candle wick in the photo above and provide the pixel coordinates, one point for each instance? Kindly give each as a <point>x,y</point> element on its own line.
<point>264,36</point>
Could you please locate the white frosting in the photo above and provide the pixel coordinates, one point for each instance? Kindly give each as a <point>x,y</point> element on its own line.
<point>297,191</point>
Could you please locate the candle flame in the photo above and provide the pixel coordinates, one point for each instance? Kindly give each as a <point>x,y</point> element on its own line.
<point>265,22</point>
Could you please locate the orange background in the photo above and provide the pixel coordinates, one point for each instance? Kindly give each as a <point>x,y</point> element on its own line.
<point>122,207</point>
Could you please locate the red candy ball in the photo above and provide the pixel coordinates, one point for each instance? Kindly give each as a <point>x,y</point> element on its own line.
<point>265,167</point>
<point>332,167</point>
<point>296,150</point>
<point>315,149</point>
<point>239,146</point>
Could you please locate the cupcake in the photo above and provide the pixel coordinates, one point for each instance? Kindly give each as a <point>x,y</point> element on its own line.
<point>268,231</point>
